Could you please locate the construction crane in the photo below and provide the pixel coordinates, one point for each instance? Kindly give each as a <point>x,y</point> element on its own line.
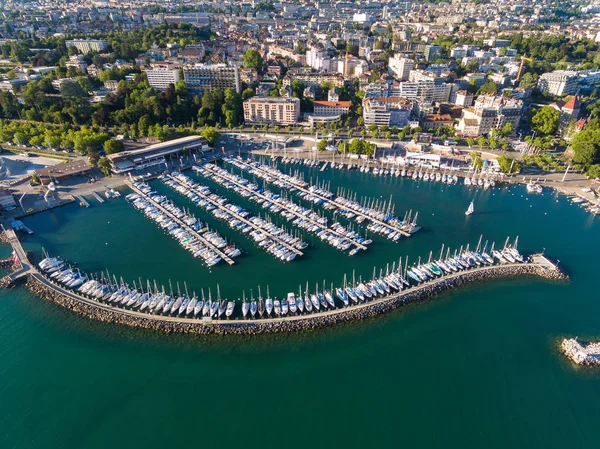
<point>523,59</point>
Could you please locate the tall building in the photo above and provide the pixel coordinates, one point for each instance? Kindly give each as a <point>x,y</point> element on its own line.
<point>559,82</point>
<point>387,111</point>
<point>490,112</point>
<point>432,52</point>
<point>273,110</point>
<point>401,67</point>
<point>160,78</point>
<point>87,45</point>
<point>204,77</point>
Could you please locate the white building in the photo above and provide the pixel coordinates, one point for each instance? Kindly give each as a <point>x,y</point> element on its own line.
<point>559,82</point>
<point>87,45</point>
<point>161,78</point>
<point>401,67</point>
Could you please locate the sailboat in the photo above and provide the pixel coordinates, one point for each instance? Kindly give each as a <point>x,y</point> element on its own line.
<point>471,209</point>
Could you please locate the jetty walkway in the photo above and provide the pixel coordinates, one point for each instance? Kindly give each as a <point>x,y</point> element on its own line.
<point>538,265</point>
<point>325,199</point>
<point>181,223</point>
<point>236,215</point>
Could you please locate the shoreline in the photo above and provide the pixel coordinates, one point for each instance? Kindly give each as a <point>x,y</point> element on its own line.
<point>97,311</point>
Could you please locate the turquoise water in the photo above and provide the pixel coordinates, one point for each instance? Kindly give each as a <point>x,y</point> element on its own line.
<point>476,367</point>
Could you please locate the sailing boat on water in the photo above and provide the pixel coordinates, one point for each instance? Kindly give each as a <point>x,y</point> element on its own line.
<point>471,209</point>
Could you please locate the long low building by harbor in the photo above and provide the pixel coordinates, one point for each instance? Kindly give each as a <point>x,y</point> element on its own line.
<point>154,154</point>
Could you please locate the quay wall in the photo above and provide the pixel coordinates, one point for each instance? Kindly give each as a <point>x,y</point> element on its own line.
<point>103,312</point>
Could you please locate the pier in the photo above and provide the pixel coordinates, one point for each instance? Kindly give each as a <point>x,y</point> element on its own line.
<point>98,197</point>
<point>537,265</point>
<point>325,199</point>
<point>286,208</point>
<point>82,200</point>
<point>94,309</point>
<point>237,216</point>
<point>189,229</point>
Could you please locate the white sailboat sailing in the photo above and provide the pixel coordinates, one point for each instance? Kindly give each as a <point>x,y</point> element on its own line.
<point>471,209</point>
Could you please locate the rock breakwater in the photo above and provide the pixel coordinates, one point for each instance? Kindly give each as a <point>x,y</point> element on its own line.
<point>581,352</point>
<point>105,313</point>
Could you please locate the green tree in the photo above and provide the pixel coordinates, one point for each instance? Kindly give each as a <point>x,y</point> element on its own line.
<point>104,166</point>
<point>528,80</point>
<point>210,134</point>
<point>253,60</point>
<point>506,163</point>
<point>322,145</point>
<point>594,171</point>
<point>507,129</point>
<point>113,146</point>
<point>586,147</point>
<point>489,87</point>
<point>481,141</point>
<point>35,178</point>
<point>545,120</point>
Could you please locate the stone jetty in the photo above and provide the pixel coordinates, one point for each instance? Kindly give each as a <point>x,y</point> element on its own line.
<point>581,352</point>
<point>537,266</point>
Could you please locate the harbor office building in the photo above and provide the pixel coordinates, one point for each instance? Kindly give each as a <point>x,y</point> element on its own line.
<point>154,154</point>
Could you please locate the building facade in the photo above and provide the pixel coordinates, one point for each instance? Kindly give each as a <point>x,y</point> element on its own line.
<point>401,67</point>
<point>325,108</point>
<point>490,112</point>
<point>87,45</point>
<point>201,78</point>
<point>385,111</point>
<point>272,110</point>
<point>559,82</point>
<point>161,78</point>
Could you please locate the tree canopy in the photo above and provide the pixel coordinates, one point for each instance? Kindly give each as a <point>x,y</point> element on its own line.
<point>253,60</point>
<point>545,120</point>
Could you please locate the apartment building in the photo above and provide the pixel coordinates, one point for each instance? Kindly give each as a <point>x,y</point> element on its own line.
<point>490,112</point>
<point>386,111</point>
<point>401,67</point>
<point>314,79</point>
<point>200,78</point>
<point>160,78</point>
<point>272,110</point>
<point>87,45</point>
<point>559,82</point>
<point>327,108</point>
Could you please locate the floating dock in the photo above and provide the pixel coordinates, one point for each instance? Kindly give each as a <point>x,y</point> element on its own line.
<point>297,186</point>
<point>188,228</point>
<point>98,197</point>
<point>82,200</point>
<point>288,209</point>
<point>236,215</point>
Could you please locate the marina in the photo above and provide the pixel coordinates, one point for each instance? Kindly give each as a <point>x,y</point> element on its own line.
<point>382,221</point>
<point>335,235</point>
<point>273,239</point>
<point>186,228</point>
